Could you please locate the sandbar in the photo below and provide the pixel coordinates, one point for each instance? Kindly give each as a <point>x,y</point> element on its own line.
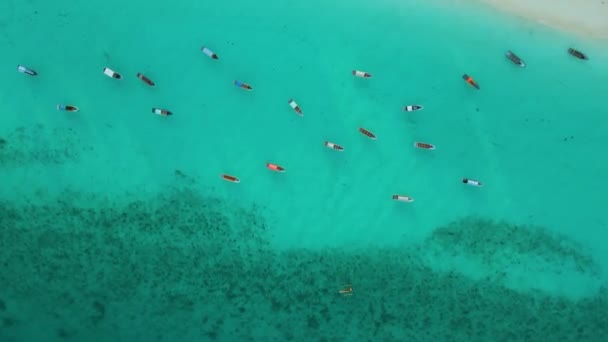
<point>584,18</point>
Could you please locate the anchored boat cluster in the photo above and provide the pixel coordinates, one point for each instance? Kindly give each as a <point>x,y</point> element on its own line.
<point>296,108</point>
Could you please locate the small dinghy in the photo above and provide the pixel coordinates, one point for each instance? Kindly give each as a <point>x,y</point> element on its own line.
<point>515,59</point>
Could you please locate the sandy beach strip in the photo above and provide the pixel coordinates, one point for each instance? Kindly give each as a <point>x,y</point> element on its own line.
<point>585,18</point>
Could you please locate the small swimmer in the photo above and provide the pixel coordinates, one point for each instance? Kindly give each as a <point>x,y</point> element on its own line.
<point>209,53</point>
<point>111,73</point>
<point>145,79</point>
<point>402,198</point>
<point>513,57</point>
<point>347,290</point>
<point>333,146</point>
<point>275,167</point>
<point>242,85</point>
<point>361,74</point>
<point>367,133</point>
<point>424,146</point>
<point>471,182</point>
<point>67,108</point>
<point>412,108</point>
<point>295,107</point>
<point>161,112</point>
<point>577,54</point>
<point>470,81</point>
<point>230,178</point>
<point>26,70</point>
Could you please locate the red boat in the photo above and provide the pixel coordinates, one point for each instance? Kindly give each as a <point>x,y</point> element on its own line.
<point>470,81</point>
<point>275,167</point>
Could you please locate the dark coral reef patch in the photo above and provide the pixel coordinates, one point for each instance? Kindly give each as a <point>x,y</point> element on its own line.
<point>183,266</point>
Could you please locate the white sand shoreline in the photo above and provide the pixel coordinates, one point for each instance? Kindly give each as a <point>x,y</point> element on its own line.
<point>584,18</point>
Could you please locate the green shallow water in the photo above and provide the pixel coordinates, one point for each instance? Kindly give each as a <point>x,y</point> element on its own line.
<point>115,224</point>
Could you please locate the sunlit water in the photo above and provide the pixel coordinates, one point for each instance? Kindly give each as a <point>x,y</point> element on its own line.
<point>534,136</point>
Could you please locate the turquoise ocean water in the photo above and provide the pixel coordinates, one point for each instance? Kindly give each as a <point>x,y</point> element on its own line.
<point>115,225</point>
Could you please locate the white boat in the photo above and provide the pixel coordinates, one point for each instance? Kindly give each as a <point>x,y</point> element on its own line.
<point>295,107</point>
<point>362,74</point>
<point>333,146</point>
<point>111,73</point>
<point>402,198</point>
<point>161,112</point>
<point>209,53</point>
<point>26,70</point>
<point>412,108</point>
<point>472,182</point>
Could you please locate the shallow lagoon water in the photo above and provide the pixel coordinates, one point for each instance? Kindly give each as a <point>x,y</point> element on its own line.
<point>86,184</point>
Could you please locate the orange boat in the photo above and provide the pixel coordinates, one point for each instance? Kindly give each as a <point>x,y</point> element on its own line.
<point>230,178</point>
<point>424,146</point>
<point>275,167</point>
<point>470,81</point>
<point>367,133</point>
